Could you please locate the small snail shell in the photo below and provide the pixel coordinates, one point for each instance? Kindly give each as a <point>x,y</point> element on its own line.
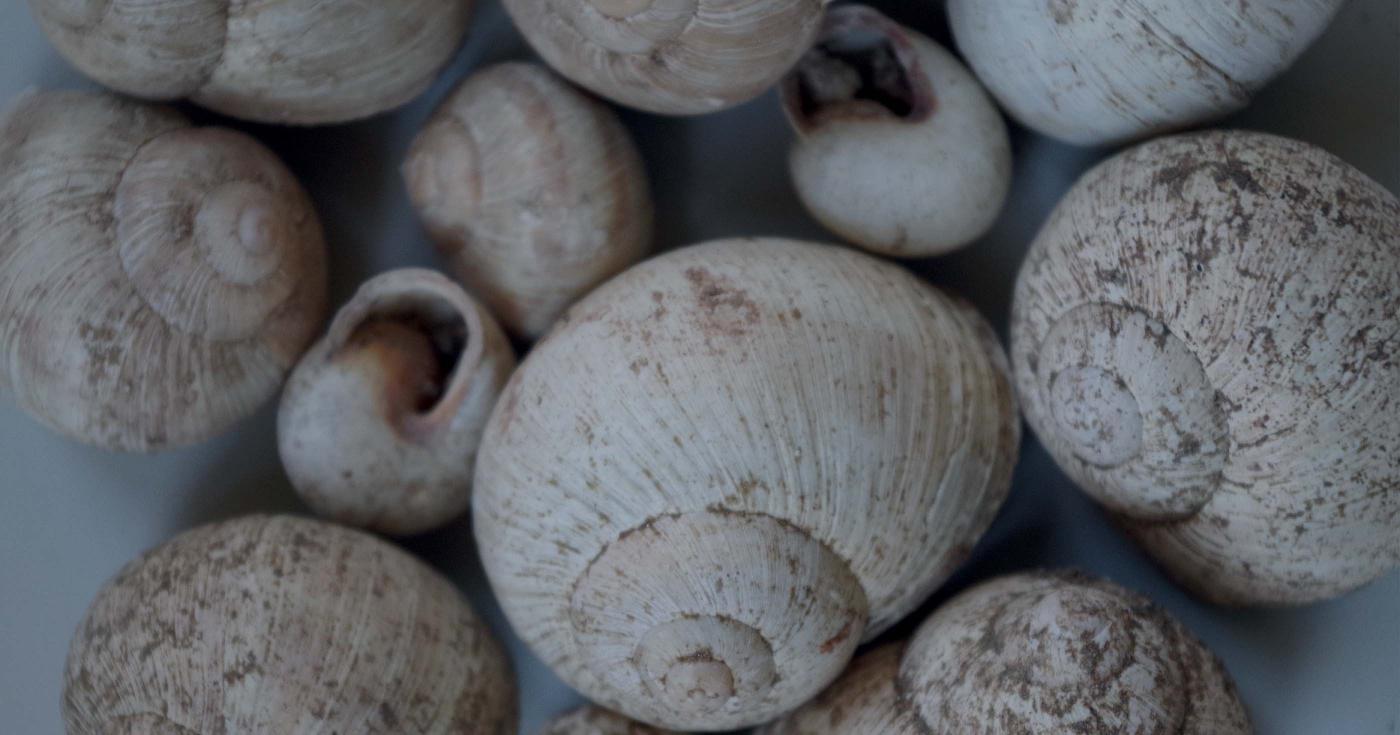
<point>1097,73</point>
<point>274,624</point>
<point>1205,336</point>
<point>533,191</point>
<point>300,62</point>
<point>729,465</point>
<point>675,57</point>
<point>380,422</point>
<point>157,281</point>
<point>1034,653</point>
<point>598,721</point>
<point>899,149</point>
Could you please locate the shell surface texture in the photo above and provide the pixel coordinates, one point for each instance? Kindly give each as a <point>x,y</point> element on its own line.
<point>598,721</point>
<point>533,191</point>
<point>380,422</point>
<point>302,62</point>
<point>275,624</point>
<point>729,465</point>
<point>1206,337</point>
<point>157,281</point>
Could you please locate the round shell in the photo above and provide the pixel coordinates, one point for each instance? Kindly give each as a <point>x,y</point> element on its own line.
<point>1096,73</point>
<point>731,464</point>
<point>677,57</point>
<point>303,62</point>
<point>157,281</point>
<point>533,191</point>
<point>284,625</point>
<point>598,721</point>
<point>899,150</point>
<point>380,422</point>
<point>1206,336</point>
<point>1034,653</point>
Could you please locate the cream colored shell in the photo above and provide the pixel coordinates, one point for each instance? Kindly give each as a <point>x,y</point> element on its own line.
<point>380,422</point>
<point>899,150</point>
<point>598,721</point>
<point>731,464</point>
<point>302,62</point>
<point>1034,653</point>
<point>1095,73</point>
<point>1206,337</point>
<point>679,57</point>
<point>274,624</point>
<point>157,281</point>
<point>533,191</point>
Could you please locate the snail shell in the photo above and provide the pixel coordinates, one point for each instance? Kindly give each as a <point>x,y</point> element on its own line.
<point>598,721</point>
<point>533,191</point>
<point>1206,336</point>
<point>899,149</point>
<point>274,624</point>
<point>380,422</point>
<point>1097,73</point>
<point>676,57</point>
<point>157,281</point>
<point>732,463</point>
<point>1034,653</point>
<point>302,62</point>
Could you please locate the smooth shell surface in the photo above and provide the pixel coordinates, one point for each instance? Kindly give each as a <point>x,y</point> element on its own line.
<point>157,281</point>
<point>729,465</point>
<point>598,721</point>
<point>284,625</point>
<point>1206,336</point>
<point>533,191</point>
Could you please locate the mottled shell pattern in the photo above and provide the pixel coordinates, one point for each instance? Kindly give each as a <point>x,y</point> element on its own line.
<point>679,57</point>
<point>533,191</point>
<point>303,62</point>
<point>380,421</point>
<point>157,281</point>
<point>275,624</point>
<point>1096,73</point>
<point>1034,653</point>
<point>899,150</point>
<point>598,721</point>
<point>1206,337</point>
<point>732,463</point>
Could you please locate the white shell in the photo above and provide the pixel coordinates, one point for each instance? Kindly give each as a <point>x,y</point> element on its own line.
<point>301,62</point>
<point>157,281</point>
<point>1095,73</point>
<point>533,191</point>
<point>598,721</point>
<point>899,149</point>
<point>1207,338</point>
<point>729,465</point>
<point>380,422</point>
<point>274,624</point>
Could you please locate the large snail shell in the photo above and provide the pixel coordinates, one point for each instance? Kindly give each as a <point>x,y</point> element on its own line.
<point>899,149</point>
<point>380,422</point>
<point>284,625</point>
<point>1094,73</point>
<point>157,281</point>
<point>282,61</point>
<point>1034,653</point>
<point>533,191</point>
<point>729,465</point>
<point>1206,336</point>
<point>679,57</point>
<point>598,721</point>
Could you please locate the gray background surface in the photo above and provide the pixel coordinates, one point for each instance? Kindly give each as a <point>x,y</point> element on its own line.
<point>70,516</point>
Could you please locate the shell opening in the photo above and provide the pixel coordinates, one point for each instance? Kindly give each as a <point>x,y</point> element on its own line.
<point>418,353</point>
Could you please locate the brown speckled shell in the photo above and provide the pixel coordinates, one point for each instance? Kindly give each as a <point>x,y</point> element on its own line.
<point>598,721</point>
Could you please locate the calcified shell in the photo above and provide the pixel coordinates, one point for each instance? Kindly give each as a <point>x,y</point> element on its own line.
<point>731,464</point>
<point>157,281</point>
<point>281,61</point>
<point>1095,73</point>
<point>284,625</point>
<point>899,150</point>
<point>671,56</point>
<point>598,721</point>
<point>1205,337</point>
<point>1034,653</point>
<point>380,422</point>
<point>533,191</point>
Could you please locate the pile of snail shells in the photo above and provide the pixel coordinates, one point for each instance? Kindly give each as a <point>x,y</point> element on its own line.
<point>598,721</point>
<point>1206,336</point>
